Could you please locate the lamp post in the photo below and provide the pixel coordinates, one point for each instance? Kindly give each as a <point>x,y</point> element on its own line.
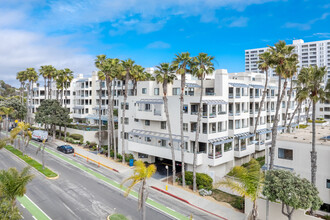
<point>166,177</point>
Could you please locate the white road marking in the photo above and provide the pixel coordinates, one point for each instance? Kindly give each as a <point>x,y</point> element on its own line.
<point>22,205</point>
<point>38,208</point>
<point>34,218</point>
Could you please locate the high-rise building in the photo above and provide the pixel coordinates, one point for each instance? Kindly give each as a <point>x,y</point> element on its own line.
<point>309,54</point>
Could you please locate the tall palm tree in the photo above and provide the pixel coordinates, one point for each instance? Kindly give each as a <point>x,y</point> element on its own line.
<point>21,77</point>
<point>47,73</point>
<point>32,77</point>
<point>202,66</point>
<point>101,79</point>
<point>291,72</point>
<point>165,76</point>
<point>281,55</point>
<point>182,63</point>
<point>247,182</point>
<point>24,130</point>
<point>317,92</point>
<point>128,69</point>
<point>265,62</point>
<point>68,76</point>
<point>13,183</point>
<point>141,174</point>
<point>6,111</point>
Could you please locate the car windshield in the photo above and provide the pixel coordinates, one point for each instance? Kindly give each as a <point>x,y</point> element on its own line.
<point>67,147</point>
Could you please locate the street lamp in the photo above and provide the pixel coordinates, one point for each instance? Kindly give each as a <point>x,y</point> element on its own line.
<point>166,167</point>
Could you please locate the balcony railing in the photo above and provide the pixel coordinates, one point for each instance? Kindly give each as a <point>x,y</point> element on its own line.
<point>217,155</point>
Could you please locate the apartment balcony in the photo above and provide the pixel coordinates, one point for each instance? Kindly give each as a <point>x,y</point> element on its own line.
<point>220,158</point>
<point>260,145</point>
<point>164,152</point>
<point>75,115</point>
<point>153,115</point>
<point>243,151</point>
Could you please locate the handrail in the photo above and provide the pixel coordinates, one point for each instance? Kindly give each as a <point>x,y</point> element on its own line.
<point>97,162</point>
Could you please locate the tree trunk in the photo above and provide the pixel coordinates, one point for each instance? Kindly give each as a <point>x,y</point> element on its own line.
<point>183,80</point>
<point>54,132</point>
<point>169,131</point>
<point>276,119</point>
<point>299,111</point>
<point>254,213</point>
<point>43,156</point>
<point>7,125</point>
<point>261,103</point>
<point>50,88</point>
<point>100,115</point>
<point>197,134</point>
<point>45,89</point>
<point>124,114</point>
<point>293,114</point>
<point>307,111</point>
<point>113,123</point>
<point>65,105</point>
<point>27,103</point>
<point>108,81</point>
<point>144,199</point>
<point>288,103</point>
<point>313,153</point>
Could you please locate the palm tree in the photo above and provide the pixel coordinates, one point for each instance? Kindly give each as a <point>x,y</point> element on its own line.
<point>182,63</point>
<point>13,183</point>
<point>165,76</point>
<point>128,69</point>
<point>101,78</point>
<point>47,72</point>
<point>247,182</point>
<point>317,92</point>
<point>42,148</point>
<point>141,174</point>
<point>6,111</point>
<point>281,56</point>
<point>32,77</point>
<point>68,76</point>
<point>21,77</point>
<point>265,62</point>
<point>202,66</point>
<point>24,130</point>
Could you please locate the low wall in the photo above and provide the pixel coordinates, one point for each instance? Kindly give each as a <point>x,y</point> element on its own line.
<point>275,211</point>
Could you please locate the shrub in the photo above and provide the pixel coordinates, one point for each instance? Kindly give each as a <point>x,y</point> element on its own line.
<point>119,157</point>
<point>92,144</point>
<point>326,217</point>
<point>128,157</point>
<point>203,180</point>
<point>303,126</point>
<point>77,136</point>
<point>117,217</point>
<point>238,203</point>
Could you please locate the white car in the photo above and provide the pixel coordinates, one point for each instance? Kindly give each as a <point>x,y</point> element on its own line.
<point>39,135</point>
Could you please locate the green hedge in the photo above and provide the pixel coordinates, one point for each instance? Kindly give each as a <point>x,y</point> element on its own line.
<point>47,172</point>
<point>77,136</point>
<point>118,217</point>
<point>203,180</point>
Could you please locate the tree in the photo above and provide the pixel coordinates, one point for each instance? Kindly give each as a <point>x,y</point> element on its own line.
<point>128,69</point>
<point>101,78</point>
<point>7,90</point>
<point>141,174</point>
<point>6,211</point>
<point>247,182</point>
<point>32,77</point>
<point>202,66</point>
<point>50,112</point>
<point>291,190</point>
<point>165,76</point>
<point>21,77</point>
<point>13,183</point>
<point>182,63</point>
<point>68,76</point>
<point>47,72</point>
<point>23,129</point>
<point>42,148</point>
<point>281,55</point>
<point>265,62</point>
<point>317,92</point>
<point>6,111</point>
<point>15,103</point>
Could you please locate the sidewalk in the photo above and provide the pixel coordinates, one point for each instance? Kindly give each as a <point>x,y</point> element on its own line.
<point>187,197</point>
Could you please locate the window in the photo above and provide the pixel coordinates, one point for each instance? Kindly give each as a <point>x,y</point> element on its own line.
<point>140,155</point>
<point>147,107</point>
<point>126,121</point>
<point>228,146</point>
<point>237,124</point>
<point>163,125</point>
<point>147,122</point>
<point>156,91</point>
<point>285,154</point>
<point>176,91</point>
<point>126,106</point>
<point>136,120</point>
<point>147,139</point>
<point>328,183</point>
<point>185,126</point>
<point>144,90</point>
<point>162,143</point>
<point>231,124</point>
<point>185,108</point>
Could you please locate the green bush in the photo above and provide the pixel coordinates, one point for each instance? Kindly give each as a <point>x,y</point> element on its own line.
<point>58,133</point>
<point>326,217</point>
<point>203,180</point>
<point>316,121</point>
<point>119,157</point>
<point>77,136</point>
<point>128,157</point>
<point>238,203</point>
<point>118,217</point>
<point>92,144</point>
<point>303,126</point>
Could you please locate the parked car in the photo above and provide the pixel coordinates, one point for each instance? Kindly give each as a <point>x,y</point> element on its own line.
<point>39,135</point>
<point>67,149</point>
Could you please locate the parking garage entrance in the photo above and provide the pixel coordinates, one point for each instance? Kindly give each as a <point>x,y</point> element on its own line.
<point>161,164</point>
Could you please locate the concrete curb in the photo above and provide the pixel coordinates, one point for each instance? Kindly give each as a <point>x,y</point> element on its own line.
<point>187,202</point>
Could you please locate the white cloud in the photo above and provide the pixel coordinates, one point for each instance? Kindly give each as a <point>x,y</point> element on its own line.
<point>158,45</point>
<point>307,25</point>
<point>24,49</point>
<point>239,22</point>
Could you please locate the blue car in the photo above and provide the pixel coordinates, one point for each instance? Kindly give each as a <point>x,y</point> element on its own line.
<point>67,149</point>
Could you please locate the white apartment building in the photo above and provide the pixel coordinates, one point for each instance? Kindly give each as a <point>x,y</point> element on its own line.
<point>309,54</point>
<point>230,107</point>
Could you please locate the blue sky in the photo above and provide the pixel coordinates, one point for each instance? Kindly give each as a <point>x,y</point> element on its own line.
<point>71,33</point>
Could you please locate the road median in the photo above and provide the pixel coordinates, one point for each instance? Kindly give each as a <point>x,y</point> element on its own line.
<point>33,163</point>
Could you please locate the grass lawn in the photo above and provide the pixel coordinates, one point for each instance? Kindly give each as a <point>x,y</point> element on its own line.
<point>118,217</point>
<point>47,172</point>
<point>235,201</point>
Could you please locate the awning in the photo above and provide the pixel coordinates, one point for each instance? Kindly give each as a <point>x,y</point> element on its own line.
<point>214,102</point>
<point>157,135</point>
<point>150,101</point>
<point>264,131</point>
<point>244,135</point>
<point>280,128</point>
<point>239,85</point>
<point>97,108</point>
<point>221,140</point>
<point>78,107</point>
<point>257,86</point>
<point>192,85</point>
<point>82,80</point>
